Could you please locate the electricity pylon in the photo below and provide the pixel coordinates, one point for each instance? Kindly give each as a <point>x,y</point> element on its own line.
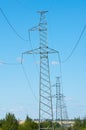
<point>58,101</point>
<point>61,110</point>
<point>64,111</point>
<point>45,98</point>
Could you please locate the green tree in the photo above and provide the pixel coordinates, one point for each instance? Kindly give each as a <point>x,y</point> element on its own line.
<point>1,122</point>
<point>46,124</point>
<point>56,125</point>
<point>77,124</point>
<point>21,127</point>
<point>84,123</point>
<point>10,122</point>
<point>29,124</point>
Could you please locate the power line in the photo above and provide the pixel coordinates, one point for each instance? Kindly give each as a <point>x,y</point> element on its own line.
<point>12,26</point>
<point>8,63</point>
<point>30,42</point>
<point>26,76</point>
<point>78,41</point>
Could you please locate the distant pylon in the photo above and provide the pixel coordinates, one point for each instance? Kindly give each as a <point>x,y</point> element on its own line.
<point>61,109</point>
<point>58,100</point>
<point>64,110</point>
<point>45,97</point>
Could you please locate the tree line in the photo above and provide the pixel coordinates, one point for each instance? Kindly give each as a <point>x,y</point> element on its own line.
<point>79,124</point>
<point>11,123</point>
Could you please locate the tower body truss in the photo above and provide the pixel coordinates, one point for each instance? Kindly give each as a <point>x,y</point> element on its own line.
<point>58,100</point>
<point>61,110</point>
<point>45,98</point>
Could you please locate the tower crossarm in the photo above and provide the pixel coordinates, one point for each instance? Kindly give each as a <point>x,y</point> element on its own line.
<point>39,51</point>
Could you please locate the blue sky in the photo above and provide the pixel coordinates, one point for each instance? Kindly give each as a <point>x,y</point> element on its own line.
<point>66,19</point>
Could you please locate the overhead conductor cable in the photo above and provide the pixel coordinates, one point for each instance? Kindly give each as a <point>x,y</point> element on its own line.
<point>78,41</point>
<point>12,26</point>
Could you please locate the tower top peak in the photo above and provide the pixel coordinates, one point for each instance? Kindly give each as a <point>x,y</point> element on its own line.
<point>42,12</point>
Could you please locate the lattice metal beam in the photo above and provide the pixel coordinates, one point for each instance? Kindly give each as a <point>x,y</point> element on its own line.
<point>45,97</point>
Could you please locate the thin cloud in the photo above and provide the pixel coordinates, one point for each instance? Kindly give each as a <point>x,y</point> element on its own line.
<point>20,59</point>
<point>69,99</point>
<point>54,62</point>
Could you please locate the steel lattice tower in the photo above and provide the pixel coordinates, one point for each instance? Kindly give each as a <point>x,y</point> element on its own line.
<point>64,110</point>
<point>45,100</point>
<point>61,110</point>
<point>45,97</point>
<point>58,100</point>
